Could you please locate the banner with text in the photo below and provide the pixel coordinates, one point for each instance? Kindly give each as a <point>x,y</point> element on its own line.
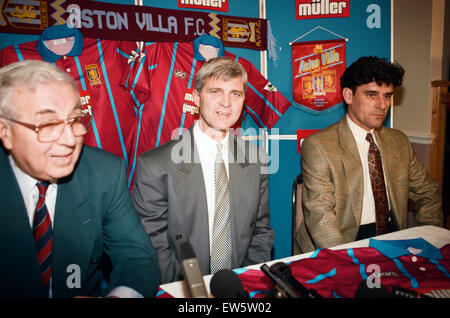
<point>130,22</point>
<point>316,69</point>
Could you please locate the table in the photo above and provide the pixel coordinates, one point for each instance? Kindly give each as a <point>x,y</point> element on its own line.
<point>434,235</point>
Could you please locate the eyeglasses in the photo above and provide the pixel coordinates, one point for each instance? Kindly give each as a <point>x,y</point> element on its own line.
<point>51,131</point>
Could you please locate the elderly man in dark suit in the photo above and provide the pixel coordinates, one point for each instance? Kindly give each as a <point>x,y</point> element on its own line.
<point>68,223</point>
<point>208,187</point>
<point>358,174</point>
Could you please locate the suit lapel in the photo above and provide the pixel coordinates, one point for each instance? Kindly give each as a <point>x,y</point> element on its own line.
<point>352,167</point>
<point>73,232</point>
<point>189,188</point>
<point>16,235</point>
<point>241,174</point>
<point>72,241</point>
<point>191,194</point>
<point>390,159</point>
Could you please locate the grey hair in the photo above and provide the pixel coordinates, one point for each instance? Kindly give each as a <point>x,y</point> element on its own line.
<point>223,68</point>
<point>28,74</point>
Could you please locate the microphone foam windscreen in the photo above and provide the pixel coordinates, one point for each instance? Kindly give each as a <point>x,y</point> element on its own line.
<point>186,251</point>
<point>226,284</point>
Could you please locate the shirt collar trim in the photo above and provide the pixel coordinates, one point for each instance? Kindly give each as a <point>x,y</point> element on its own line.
<point>58,32</point>
<point>207,40</point>
<point>358,132</point>
<point>397,248</point>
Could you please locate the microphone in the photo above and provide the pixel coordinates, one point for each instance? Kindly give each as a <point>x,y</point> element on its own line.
<point>284,272</point>
<point>399,292</point>
<point>192,273</point>
<point>284,287</point>
<point>364,291</point>
<point>226,284</point>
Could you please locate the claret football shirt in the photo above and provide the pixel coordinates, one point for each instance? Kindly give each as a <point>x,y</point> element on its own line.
<point>96,65</point>
<point>163,83</point>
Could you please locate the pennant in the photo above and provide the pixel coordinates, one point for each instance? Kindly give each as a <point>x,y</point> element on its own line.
<point>316,69</point>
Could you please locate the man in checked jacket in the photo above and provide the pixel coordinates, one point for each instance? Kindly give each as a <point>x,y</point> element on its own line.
<point>338,202</point>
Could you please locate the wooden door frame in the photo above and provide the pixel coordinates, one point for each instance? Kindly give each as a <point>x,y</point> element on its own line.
<point>441,97</point>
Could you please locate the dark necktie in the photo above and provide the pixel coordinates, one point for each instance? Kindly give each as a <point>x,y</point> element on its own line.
<point>42,232</point>
<point>378,187</point>
<point>221,234</point>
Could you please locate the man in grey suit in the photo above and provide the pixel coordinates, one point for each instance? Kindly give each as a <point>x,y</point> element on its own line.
<point>175,187</point>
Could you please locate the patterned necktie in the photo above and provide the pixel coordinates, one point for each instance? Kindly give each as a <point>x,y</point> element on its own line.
<point>221,233</point>
<point>42,232</point>
<point>378,187</point>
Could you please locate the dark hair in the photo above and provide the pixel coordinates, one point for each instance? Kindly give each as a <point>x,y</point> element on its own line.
<point>369,69</point>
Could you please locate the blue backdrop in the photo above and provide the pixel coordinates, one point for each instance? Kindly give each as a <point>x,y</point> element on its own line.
<point>368,30</point>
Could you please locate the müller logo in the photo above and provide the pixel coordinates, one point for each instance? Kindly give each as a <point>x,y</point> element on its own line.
<point>217,5</point>
<point>313,9</point>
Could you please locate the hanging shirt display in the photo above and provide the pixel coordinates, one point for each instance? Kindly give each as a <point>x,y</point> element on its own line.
<point>164,81</point>
<point>96,66</point>
<point>412,264</point>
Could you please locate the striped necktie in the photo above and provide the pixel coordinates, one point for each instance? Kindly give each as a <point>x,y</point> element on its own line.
<point>221,233</point>
<point>378,187</point>
<point>42,233</point>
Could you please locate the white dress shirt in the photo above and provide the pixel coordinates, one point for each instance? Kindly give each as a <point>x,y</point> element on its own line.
<point>368,207</point>
<point>207,150</point>
<point>30,193</point>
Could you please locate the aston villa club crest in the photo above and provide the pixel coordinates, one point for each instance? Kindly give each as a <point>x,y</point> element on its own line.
<point>93,74</point>
<point>24,14</point>
<point>320,84</point>
<point>241,31</point>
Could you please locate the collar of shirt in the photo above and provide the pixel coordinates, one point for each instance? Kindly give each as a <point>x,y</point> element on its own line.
<point>207,147</point>
<point>397,248</point>
<point>358,132</point>
<point>30,192</point>
<point>207,40</point>
<point>59,32</point>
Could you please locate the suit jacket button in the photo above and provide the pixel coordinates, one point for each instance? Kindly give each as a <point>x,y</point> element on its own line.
<point>178,237</point>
